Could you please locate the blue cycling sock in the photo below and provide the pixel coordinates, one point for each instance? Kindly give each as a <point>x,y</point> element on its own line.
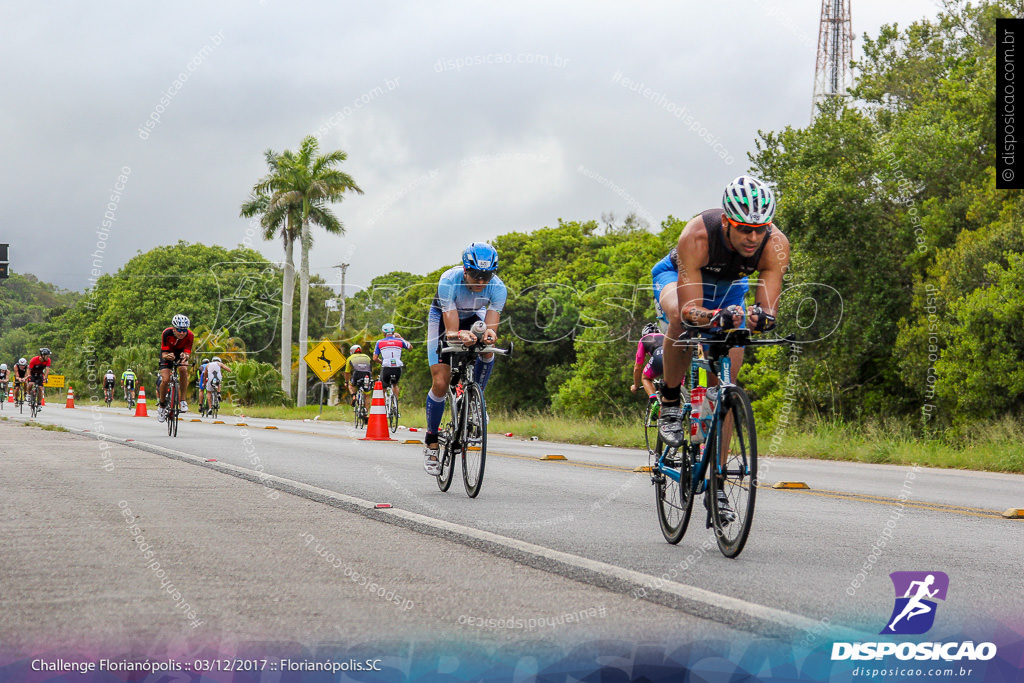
<point>435,411</point>
<point>482,372</point>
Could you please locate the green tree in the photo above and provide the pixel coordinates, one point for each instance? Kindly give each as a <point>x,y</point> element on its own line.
<point>981,372</point>
<point>284,221</point>
<point>368,309</point>
<point>613,309</point>
<point>308,181</point>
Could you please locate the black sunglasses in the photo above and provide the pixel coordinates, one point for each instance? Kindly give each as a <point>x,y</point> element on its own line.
<point>480,275</point>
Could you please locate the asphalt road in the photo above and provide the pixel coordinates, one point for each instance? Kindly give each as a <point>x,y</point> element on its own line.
<point>543,537</point>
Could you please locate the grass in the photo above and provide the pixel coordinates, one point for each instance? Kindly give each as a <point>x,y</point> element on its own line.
<point>995,446</point>
<point>44,427</point>
<point>547,427</point>
<point>329,413</point>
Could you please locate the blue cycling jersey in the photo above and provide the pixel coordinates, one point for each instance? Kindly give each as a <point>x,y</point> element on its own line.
<point>453,294</point>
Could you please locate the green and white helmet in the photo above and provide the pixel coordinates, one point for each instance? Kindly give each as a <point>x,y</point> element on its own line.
<point>748,200</point>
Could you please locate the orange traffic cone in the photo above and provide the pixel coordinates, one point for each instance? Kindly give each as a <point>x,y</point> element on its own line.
<point>10,395</point>
<point>140,407</point>
<point>377,425</point>
<point>71,398</point>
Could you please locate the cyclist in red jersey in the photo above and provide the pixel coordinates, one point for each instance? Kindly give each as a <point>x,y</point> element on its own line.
<point>38,370</point>
<point>175,349</point>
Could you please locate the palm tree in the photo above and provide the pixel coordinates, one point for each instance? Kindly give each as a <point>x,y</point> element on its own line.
<point>308,182</point>
<point>284,221</point>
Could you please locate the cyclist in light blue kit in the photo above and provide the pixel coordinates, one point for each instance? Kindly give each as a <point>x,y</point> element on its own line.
<point>464,295</point>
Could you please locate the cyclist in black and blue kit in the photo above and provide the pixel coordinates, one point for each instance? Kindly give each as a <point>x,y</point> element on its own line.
<point>703,281</point>
<point>465,295</point>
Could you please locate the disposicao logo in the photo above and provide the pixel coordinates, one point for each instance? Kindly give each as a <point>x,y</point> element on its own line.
<point>913,614</point>
<point>916,592</point>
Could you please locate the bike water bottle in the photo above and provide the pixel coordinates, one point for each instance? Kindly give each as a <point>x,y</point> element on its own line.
<point>697,401</point>
<point>479,328</point>
<point>708,413</point>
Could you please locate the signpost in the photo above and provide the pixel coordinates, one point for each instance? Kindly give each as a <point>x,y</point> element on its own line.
<point>324,360</point>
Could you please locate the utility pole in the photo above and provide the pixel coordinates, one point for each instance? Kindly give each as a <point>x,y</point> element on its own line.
<point>832,73</point>
<point>344,267</point>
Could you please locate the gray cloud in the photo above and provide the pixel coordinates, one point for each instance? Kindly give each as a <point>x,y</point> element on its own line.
<point>461,121</point>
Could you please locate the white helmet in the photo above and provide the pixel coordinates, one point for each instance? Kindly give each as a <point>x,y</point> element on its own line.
<point>22,361</point>
<point>355,348</point>
<point>748,200</point>
<point>3,366</point>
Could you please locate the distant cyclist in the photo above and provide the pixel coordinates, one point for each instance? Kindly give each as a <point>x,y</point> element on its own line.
<point>388,352</point>
<point>201,383</point>
<point>4,378</point>
<point>109,380</point>
<point>464,295</point>
<point>357,367</point>
<point>175,349</point>
<point>646,371</point>
<point>38,371</point>
<point>128,384</point>
<point>214,375</point>
<point>20,373</point>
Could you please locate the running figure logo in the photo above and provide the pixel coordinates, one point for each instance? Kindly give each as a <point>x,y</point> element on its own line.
<point>914,611</point>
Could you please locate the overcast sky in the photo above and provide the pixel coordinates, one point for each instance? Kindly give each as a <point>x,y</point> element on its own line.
<point>461,120</point>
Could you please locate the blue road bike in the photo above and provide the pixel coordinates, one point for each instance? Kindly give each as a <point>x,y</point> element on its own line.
<point>726,461</point>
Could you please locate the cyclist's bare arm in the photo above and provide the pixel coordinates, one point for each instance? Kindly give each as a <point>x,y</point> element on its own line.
<point>638,371</point>
<point>692,255</point>
<point>771,268</point>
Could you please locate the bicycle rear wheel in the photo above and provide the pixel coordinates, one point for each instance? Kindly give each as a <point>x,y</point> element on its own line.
<point>214,405</point>
<point>361,416</point>
<point>474,450</point>
<point>737,477</point>
<point>392,410</point>
<point>447,446</point>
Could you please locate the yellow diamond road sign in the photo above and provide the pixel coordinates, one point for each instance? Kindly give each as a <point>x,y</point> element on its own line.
<point>325,359</point>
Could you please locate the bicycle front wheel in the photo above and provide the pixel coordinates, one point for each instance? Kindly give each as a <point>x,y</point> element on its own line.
<point>651,411</point>
<point>172,410</point>
<point>447,446</point>
<point>674,497</point>
<point>474,448</point>
<point>736,475</point>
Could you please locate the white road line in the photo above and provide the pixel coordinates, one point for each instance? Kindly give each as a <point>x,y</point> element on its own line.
<point>734,608</point>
